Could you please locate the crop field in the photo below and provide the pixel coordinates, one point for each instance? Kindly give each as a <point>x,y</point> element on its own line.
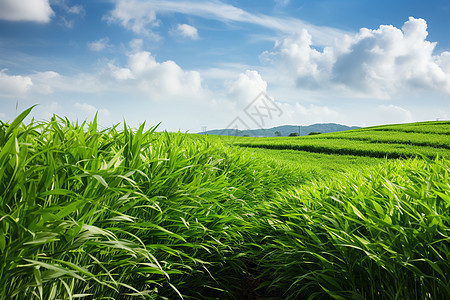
<point>399,141</point>
<point>309,165</point>
<point>394,137</point>
<point>121,213</point>
<point>434,127</point>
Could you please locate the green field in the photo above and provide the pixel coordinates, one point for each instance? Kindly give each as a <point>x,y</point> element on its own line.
<point>435,127</point>
<point>309,165</point>
<point>119,213</point>
<point>393,141</point>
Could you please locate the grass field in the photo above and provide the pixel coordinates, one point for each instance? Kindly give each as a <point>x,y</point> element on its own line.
<point>393,141</point>
<point>309,165</point>
<point>434,127</point>
<point>134,214</point>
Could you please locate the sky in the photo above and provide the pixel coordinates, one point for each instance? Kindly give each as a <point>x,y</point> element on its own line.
<point>212,64</point>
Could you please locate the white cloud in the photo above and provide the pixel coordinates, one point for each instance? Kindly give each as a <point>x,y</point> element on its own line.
<point>395,114</point>
<point>119,73</point>
<point>302,114</point>
<point>141,17</point>
<point>26,10</point>
<point>246,87</point>
<point>134,15</point>
<point>66,22</point>
<point>45,82</point>
<point>141,78</point>
<point>297,55</point>
<point>71,9</point>
<point>86,108</point>
<point>76,10</point>
<point>443,61</point>
<point>158,81</point>
<point>221,73</point>
<point>316,113</point>
<point>14,85</point>
<point>188,31</point>
<point>36,84</point>
<point>46,110</point>
<point>88,111</point>
<point>136,45</point>
<point>68,12</point>
<point>376,63</point>
<point>99,44</point>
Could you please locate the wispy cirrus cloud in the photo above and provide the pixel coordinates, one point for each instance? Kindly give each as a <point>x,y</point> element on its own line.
<point>99,45</point>
<point>142,17</point>
<point>76,9</point>
<point>68,12</point>
<point>281,3</point>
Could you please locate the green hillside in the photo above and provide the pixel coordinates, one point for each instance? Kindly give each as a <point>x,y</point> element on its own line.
<point>119,213</point>
<point>429,139</point>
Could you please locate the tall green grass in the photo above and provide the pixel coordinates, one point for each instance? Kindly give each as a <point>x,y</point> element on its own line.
<point>116,213</point>
<point>378,234</point>
<point>134,214</point>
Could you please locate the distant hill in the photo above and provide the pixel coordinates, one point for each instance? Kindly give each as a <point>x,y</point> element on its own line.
<point>284,130</point>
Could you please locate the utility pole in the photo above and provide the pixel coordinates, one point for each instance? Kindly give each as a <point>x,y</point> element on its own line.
<point>204,130</point>
<point>299,130</point>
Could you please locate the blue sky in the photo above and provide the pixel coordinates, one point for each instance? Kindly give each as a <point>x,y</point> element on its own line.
<point>190,64</point>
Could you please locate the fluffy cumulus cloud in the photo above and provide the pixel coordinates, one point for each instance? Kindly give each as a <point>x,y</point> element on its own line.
<point>44,83</point>
<point>297,55</point>
<point>246,87</point>
<point>187,31</point>
<point>26,10</point>
<point>34,85</point>
<point>156,80</point>
<point>378,63</point>
<point>14,85</point>
<point>142,77</point>
<point>136,16</point>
